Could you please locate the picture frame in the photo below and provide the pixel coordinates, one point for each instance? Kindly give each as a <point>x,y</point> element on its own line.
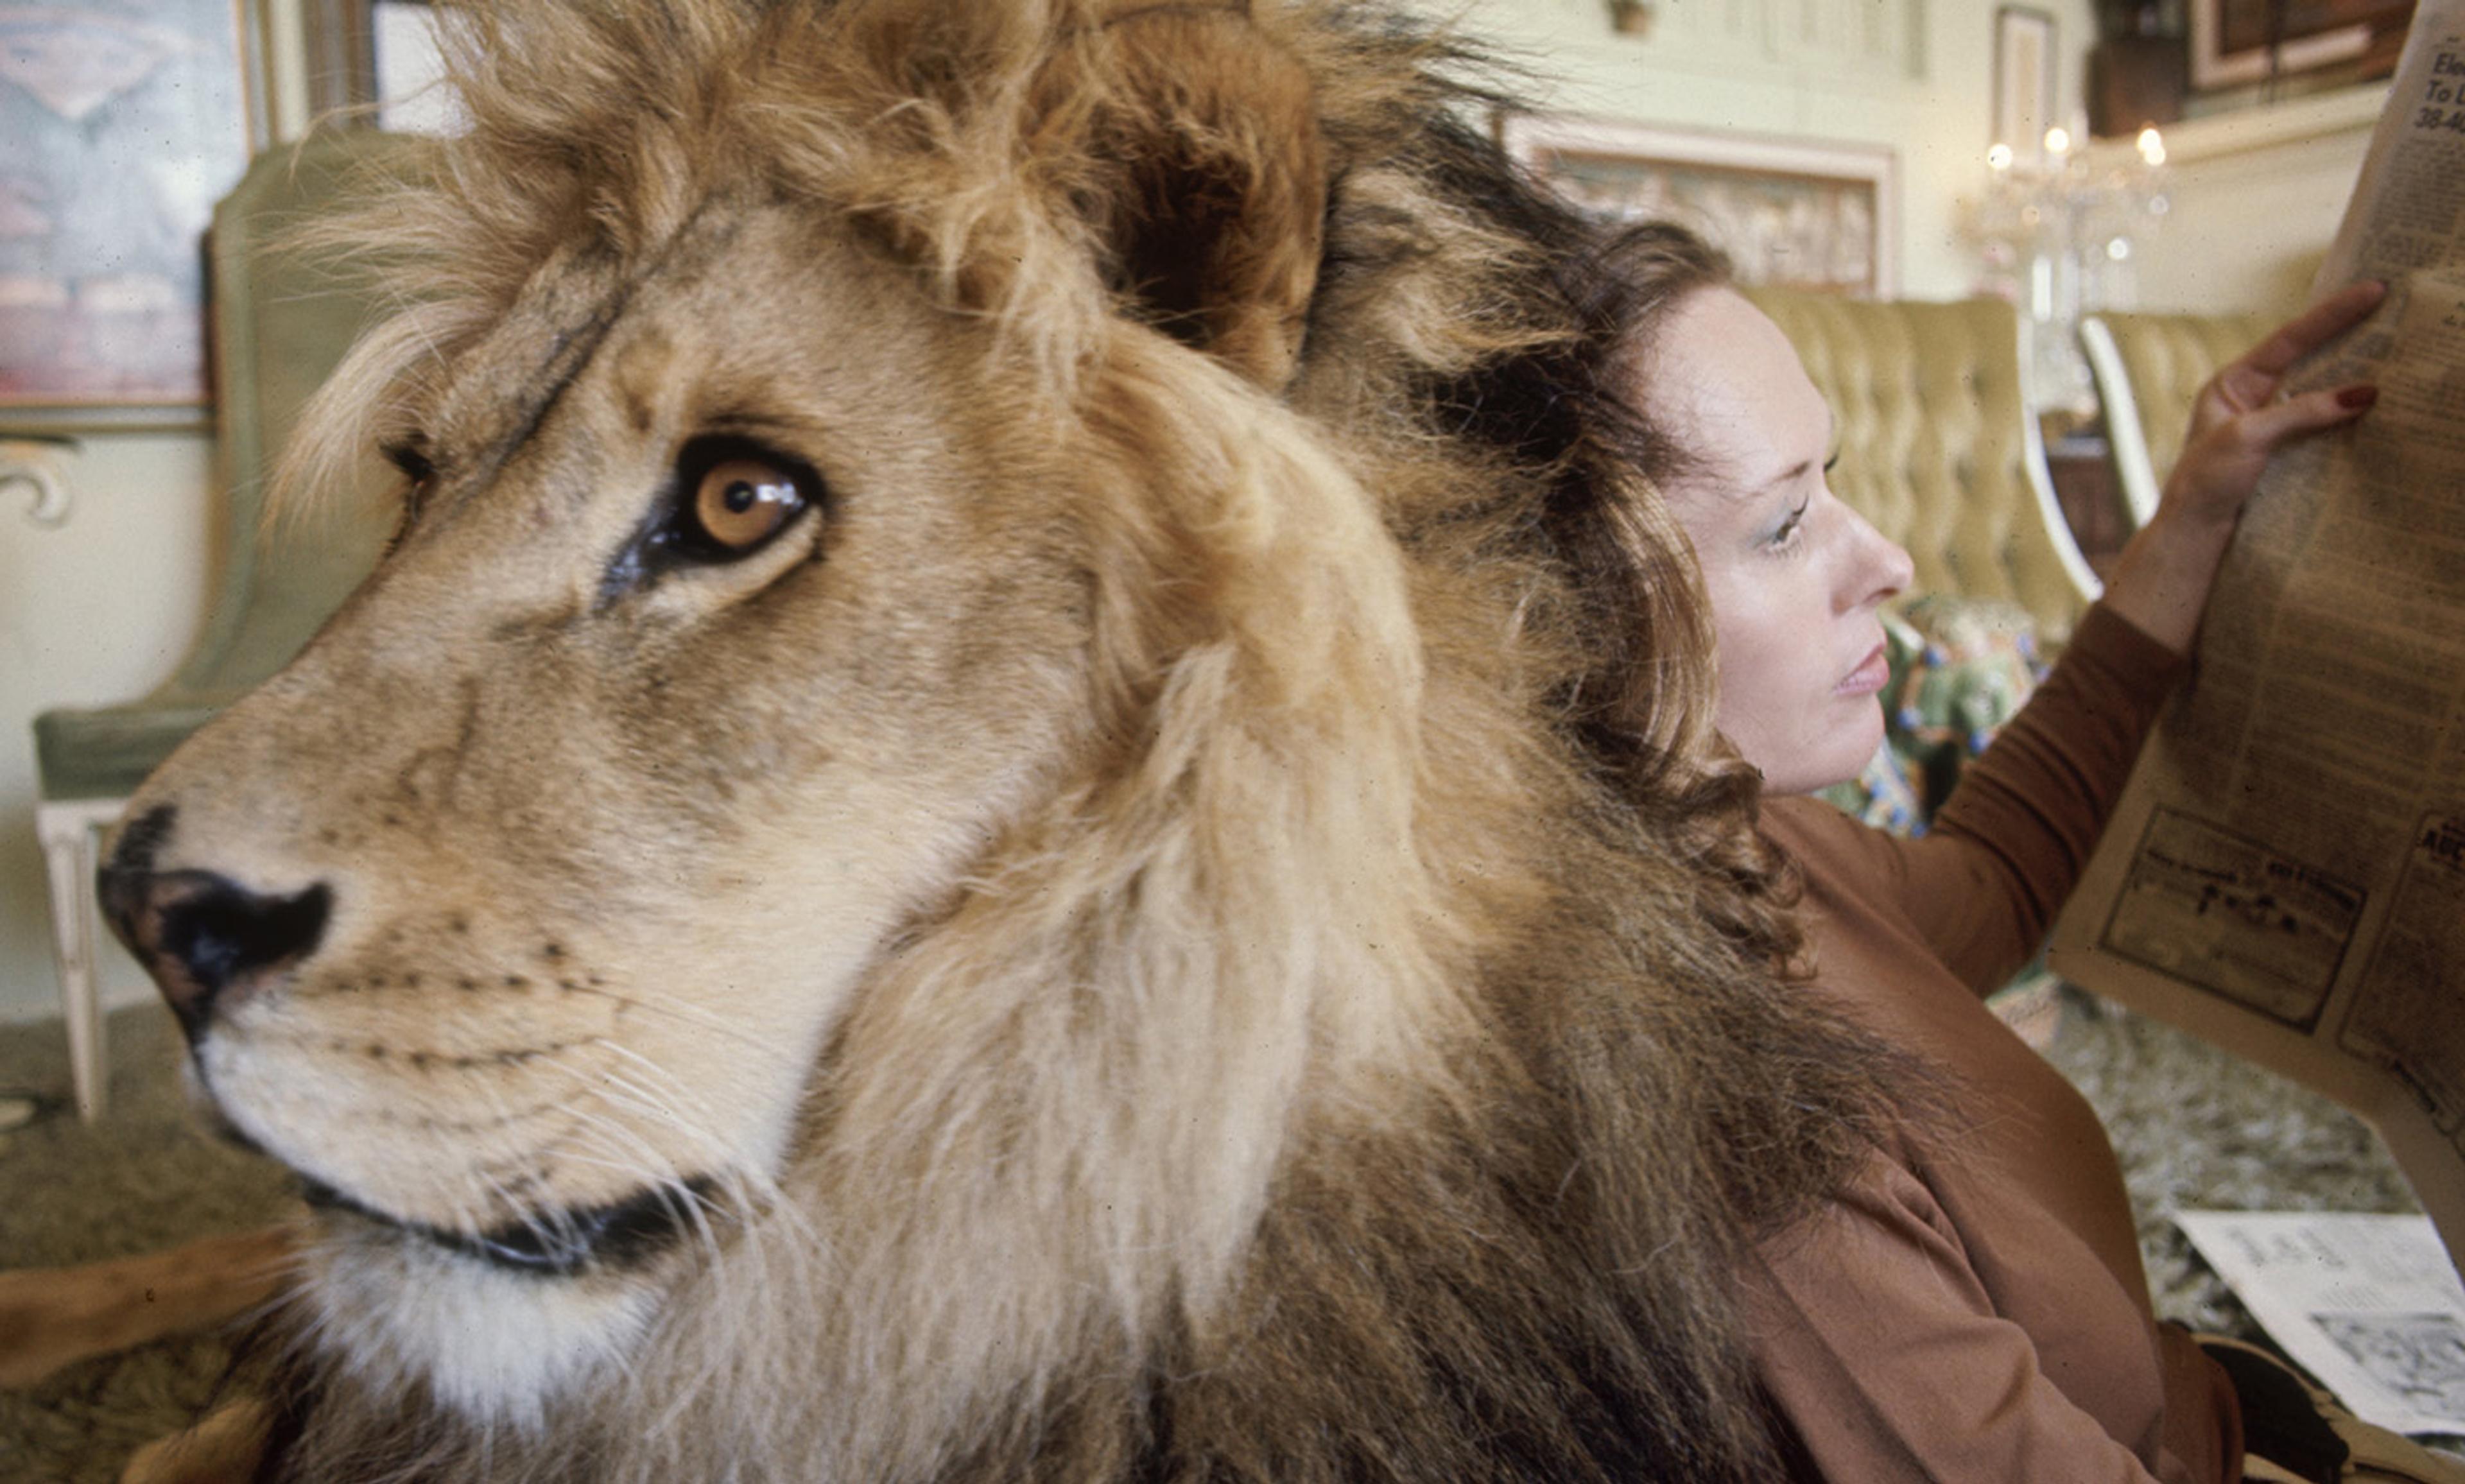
<point>2025,78</point>
<point>2238,42</point>
<point>1803,214</point>
<point>126,125</point>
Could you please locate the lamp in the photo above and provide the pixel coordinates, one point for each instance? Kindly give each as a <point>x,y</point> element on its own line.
<point>2061,226</point>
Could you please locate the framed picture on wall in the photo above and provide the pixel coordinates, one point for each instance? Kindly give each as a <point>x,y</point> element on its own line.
<point>2236,42</point>
<point>2024,79</point>
<point>125,124</point>
<point>1806,214</point>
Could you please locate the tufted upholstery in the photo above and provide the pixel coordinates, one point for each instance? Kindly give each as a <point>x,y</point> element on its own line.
<point>1937,447</point>
<point>2149,368</point>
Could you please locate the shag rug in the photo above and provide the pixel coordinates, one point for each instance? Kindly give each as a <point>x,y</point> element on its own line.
<point>2194,1128</point>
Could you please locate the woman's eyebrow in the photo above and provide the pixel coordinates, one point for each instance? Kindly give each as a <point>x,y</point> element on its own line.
<point>1789,476</point>
<point>1804,466</point>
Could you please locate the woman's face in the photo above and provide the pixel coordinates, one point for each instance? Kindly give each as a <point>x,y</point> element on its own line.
<point>1795,576</point>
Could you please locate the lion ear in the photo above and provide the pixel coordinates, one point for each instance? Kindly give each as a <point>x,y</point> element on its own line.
<point>1209,177</point>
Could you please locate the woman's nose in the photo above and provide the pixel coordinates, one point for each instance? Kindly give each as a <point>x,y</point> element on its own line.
<point>1883,569</point>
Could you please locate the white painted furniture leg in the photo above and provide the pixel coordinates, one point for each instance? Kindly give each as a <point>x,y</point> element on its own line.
<point>69,828</point>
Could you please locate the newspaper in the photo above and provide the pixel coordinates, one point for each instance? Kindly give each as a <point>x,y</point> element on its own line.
<point>2285,874</point>
<point>2364,1303</point>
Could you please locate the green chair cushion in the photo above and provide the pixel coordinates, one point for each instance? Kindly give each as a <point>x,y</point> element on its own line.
<point>105,753</point>
<point>281,320</point>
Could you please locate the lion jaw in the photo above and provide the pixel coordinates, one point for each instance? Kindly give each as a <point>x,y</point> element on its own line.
<point>497,1347</point>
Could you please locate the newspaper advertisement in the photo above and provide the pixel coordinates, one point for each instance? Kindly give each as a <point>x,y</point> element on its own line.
<point>2285,874</point>
<point>2368,1305</point>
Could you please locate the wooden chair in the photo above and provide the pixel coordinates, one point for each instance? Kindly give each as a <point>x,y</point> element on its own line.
<point>2148,368</point>
<point>280,321</point>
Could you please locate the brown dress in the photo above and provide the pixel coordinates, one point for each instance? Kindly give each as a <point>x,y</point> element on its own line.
<point>1978,1312</point>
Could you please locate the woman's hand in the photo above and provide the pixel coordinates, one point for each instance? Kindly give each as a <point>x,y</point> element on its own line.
<point>2160,581</point>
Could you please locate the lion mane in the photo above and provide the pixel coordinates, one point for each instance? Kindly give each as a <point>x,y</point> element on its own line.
<point>1170,911</point>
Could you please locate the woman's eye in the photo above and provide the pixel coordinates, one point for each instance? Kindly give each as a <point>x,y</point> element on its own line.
<point>737,504</point>
<point>1787,532</point>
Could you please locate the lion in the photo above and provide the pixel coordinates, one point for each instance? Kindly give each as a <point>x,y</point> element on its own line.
<point>1028,795</point>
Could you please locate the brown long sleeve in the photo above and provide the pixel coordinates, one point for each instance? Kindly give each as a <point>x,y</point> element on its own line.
<point>1978,1311</point>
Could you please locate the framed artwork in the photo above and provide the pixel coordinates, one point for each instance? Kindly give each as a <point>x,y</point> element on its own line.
<point>2242,41</point>
<point>125,124</point>
<point>1805,214</point>
<point>2024,79</point>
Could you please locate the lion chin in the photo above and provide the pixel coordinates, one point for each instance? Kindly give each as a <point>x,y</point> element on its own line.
<point>996,815</point>
<point>473,1317</point>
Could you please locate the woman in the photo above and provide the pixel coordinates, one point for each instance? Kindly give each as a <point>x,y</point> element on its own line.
<point>1973,1306</point>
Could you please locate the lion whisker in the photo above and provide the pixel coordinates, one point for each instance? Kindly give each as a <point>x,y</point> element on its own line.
<point>616,1089</point>
<point>681,1014</point>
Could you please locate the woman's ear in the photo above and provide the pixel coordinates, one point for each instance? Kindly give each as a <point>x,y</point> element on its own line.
<point>1209,189</point>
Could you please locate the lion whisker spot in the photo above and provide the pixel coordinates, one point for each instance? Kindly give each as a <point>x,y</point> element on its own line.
<point>699,1021</point>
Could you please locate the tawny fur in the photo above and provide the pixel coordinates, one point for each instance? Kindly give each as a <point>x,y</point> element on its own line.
<point>1185,917</point>
<point>53,1318</point>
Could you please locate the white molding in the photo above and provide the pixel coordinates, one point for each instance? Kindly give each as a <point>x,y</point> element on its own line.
<point>2247,131</point>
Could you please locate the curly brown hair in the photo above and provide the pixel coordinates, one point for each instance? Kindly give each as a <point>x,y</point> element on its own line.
<point>1641,274</point>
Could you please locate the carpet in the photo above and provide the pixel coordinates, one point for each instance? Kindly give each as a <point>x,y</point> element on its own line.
<point>2193,1127</point>
<point>145,1179</point>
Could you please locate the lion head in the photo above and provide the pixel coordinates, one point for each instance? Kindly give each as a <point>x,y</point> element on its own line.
<point>988,819</point>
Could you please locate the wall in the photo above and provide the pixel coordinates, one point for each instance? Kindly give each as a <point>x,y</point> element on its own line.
<point>94,612</point>
<point>1914,74</point>
<point>102,608</point>
<point>2256,199</point>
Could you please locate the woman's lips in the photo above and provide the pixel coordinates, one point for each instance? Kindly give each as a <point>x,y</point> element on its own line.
<point>1869,677</point>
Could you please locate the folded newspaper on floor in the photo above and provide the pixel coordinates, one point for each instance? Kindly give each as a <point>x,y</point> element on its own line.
<point>2364,1303</point>
<point>2285,875</point>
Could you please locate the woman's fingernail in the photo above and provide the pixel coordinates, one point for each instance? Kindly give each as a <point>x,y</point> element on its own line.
<point>2358,396</point>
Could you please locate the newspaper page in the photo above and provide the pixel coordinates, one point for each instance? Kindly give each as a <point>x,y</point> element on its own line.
<point>2368,1305</point>
<point>2285,875</point>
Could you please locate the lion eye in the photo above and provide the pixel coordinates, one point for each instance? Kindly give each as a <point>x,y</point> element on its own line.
<point>419,479</point>
<point>739,503</point>
<point>732,497</point>
<point>728,498</point>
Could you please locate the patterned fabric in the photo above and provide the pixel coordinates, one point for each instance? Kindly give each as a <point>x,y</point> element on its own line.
<point>1960,668</point>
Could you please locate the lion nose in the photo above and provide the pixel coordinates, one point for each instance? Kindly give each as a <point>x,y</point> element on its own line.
<point>202,935</point>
